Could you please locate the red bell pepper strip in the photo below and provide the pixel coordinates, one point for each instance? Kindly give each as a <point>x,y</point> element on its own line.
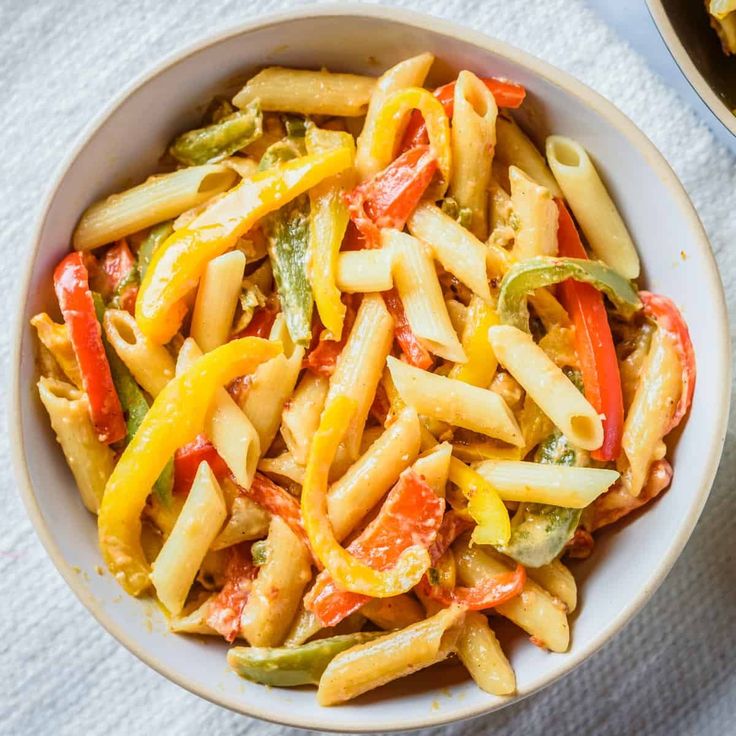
<point>119,268</point>
<point>453,525</point>
<point>506,94</point>
<point>277,501</point>
<point>410,515</point>
<point>323,354</point>
<point>71,283</point>
<point>388,198</point>
<point>416,354</point>
<point>668,318</point>
<point>492,592</point>
<point>261,322</point>
<point>593,342</point>
<point>188,458</point>
<point>224,609</point>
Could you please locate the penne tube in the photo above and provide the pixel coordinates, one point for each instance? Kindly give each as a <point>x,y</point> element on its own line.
<point>514,148</point>
<point>537,217</point>
<point>479,650</point>
<point>455,402</point>
<point>554,393</point>
<point>651,411</point>
<point>150,363</point>
<point>277,591</point>
<point>370,665</point>
<point>408,73</point>
<point>534,610</point>
<point>307,92</point>
<point>90,461</point>
<point>360,366</point>
<point>352,497</point>
<point>434,467</point>
<point>457,249</point>
<point>195,529</point>
<point>396,612</point>
<point>55,338</point>
<point>361,271</point>
<point>227,427</point>
<point>592,205</point>
<point>217,298</point>
<point>159,198</point>
<point>558,485</point>
<point>558,581</point>
<point>300,418</point>
<point>421,294</point>
<point>283,466</point>
<point>458,315</point>
<point>473,142</point>
<point>194,622</point>
<point>247,521</point>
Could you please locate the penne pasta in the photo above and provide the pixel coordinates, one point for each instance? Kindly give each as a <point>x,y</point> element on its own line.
<point>455,402</point>
<point>360,366</point>
<point>370,665</point>
<point>307,92</point>
<point>434,467</point>
<point>514,148</point>
<point>150,363</point>
<point>362,271</point>
<point>217,298</point>
<point>536,214</point>
<point>90,461</point>
<point>159,198</point>
<point>421,295</point>
<point>554,393</point>
<point>558,485</point>
<point>278,589</point>
<point>457,249</point>
<point>535,611</point>
<point>55,338</point>
<point>397,612</point>
<point>651,411</point>
<point>558,581</point>
<point>408,73</point>
<point>195,529</point>
<point>592,205</point>
<point>473,142</point>
<point>300,418</point>
<point>352,497</point>
<point>283,466</point>
<point>247,521</point>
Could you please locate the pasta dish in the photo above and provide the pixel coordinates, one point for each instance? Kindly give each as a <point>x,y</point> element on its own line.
<point>722,14</point>
<point>348,379</point>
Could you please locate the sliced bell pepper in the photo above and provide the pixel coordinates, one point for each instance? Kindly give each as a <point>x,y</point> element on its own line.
<point>593,342</point>
<point>71,283</point>
<point>348,572</point>
<point>277,501</point>
<point>410,515</point>
<point>388,198</point>
<point>453,525</point>
<point>188,458</point>
<point>322,357</point>
<point>416,354</point>
<point>118,277</point>
<point>177,416</point>
<point>177,265</point>
<point>493,591</point>
<point>668,318</point>
<point>506,94</point>
<point>224,609</point>
<point>533,273</point>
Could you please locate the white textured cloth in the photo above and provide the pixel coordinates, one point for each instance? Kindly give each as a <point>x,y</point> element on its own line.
<point>671,671</point>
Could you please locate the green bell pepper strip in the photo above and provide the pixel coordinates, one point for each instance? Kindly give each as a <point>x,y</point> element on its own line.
<point>292,666</point>
<point>539,532</point>
<point>134,405</point>
<point>156,236</point>
<point>221,139</point>
<point>526,276</point>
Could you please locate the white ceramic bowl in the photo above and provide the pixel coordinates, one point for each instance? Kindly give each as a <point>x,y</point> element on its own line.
<point>123,145</point>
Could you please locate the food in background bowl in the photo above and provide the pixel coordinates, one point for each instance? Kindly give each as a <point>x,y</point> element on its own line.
<point>723,20</point>
<point>339,387</point>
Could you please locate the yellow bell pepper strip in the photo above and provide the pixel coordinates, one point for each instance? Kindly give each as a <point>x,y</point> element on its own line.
<point>533,273</point>
<point>389,131</point>
<point>348,572</point>
<point>484,504</point>
<point>481,365</point>
<point>411,514</point>
<point>328,220</point>
<point>176,417</point>
<point>177,265</point>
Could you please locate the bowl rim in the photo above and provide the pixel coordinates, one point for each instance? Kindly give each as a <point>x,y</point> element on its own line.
<point>590,99</point>
<point>691,72</point>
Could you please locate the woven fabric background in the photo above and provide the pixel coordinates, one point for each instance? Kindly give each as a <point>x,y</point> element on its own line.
<point>671,671</point>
